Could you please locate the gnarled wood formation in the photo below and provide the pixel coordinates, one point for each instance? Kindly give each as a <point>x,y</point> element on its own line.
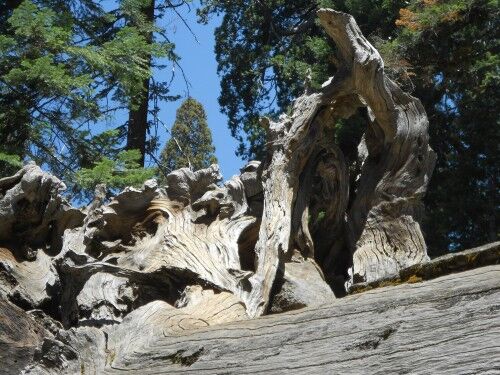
<point>383,221</point>
<point>160,261</point>
<point>383,230</point>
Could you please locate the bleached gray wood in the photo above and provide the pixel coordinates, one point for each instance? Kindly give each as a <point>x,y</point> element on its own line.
<point>130,306</point>
<point>30,283</point>
<point>449,325</point>
<point>384,233</point>
<point>33,212</point>
<point>146,282</point>
<point>245,236</point>
<point>20,336</point>
<point>291,143</point>
<point>301,285</point>
<point>480,256</point>
<point>383,220</point>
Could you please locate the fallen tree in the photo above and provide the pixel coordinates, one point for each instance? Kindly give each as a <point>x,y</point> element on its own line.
<point>448,325</point>
<point>284,234</point>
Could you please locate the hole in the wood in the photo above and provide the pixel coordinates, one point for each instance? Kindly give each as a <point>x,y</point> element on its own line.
<point>148,226</point>
<point>331,250</point>
<point>55,240</point>
<point>246,246</point>
<point>113,261</point>
<point>327,233</point>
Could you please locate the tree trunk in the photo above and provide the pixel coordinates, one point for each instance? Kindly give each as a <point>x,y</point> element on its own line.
<point>448,325</point>
<point>138,113</point>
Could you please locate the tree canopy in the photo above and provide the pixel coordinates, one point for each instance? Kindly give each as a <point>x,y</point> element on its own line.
<point>190,144</point>
<point>64,67</point>
<point>451,51</point>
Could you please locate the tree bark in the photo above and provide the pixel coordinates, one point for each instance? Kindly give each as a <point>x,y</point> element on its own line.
<point>138,114</point>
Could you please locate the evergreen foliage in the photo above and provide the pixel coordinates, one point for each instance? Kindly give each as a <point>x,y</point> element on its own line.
<point>451,49</point>
<point>267,49</point>
<point>64,66</point>
<point>190,144</point>
<point>118,173</point>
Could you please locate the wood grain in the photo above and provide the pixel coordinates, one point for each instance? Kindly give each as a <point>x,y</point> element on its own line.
<point>449,325</point>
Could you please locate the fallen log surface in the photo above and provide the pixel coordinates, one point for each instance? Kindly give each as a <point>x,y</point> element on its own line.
<point>447,325</point>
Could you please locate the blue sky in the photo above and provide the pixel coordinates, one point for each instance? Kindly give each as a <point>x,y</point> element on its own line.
<point>200,67</point>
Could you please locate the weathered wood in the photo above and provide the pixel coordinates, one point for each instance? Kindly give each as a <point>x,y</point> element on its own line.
<point>196,232</point>
<point>384,234</point>
<point>33,213</point>
<point>448,325</point>
<point>30,283</point>
<point>455,262</point>
<point>292,141</point>
<point>383,220</point>
<point>20,336</point>
<point>140,283</point>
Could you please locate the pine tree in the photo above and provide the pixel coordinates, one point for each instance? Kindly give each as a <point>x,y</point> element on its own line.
<point>64,67</point>
<point>117,173</point>
<point>137,126</point>
<point>190,144</point>
<point>146,14</point>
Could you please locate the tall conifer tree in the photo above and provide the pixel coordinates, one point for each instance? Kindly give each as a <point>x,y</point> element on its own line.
<point>190,144</point>
<point>137,126</point>
<point>67,66</point>
<point>64,66</point>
